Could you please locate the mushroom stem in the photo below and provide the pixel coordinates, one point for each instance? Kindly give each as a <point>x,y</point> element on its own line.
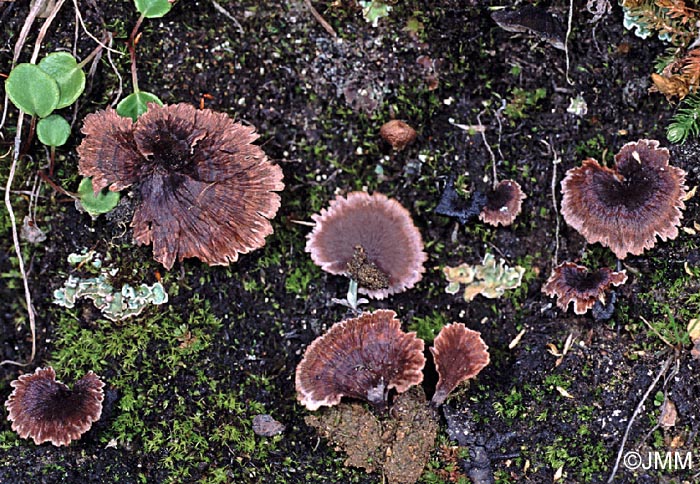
<point>351,301</point>
<point>352,294</point>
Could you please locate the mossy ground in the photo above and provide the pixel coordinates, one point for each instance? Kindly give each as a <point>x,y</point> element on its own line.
<point>184,381</point>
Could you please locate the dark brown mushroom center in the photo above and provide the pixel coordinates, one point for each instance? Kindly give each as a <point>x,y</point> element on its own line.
<point>500,197</point>
<point>583,280</point>
<point>51,400</point>
<point>172,151</point>
<point>632,189</point>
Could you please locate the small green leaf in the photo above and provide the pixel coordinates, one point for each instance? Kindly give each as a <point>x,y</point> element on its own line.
<point>53,130</point>
<point>153,8</point>
<point>32,90</point>
<point>136,103</point>
<point>70,77</point>
<point>93,204</point>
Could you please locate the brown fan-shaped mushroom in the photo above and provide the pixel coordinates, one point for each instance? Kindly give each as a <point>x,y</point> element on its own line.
<point>625,208</point>
<point>47,410</point>
<point>398,134</point>
<point>572,282</point>
<point>202,188</point>
<point>459,354</point>
<point>370,238</point>
<point>503,204</point>
<point>363,358</point>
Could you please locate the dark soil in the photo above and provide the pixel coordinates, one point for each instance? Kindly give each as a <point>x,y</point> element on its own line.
<point>188,378</point>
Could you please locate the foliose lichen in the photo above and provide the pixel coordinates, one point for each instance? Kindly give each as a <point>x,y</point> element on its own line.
<point>115,305</point>
<point>490,279</point>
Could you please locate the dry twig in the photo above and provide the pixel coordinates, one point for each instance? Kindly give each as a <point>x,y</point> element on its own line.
<point>637,411</point>
<point>319,18</point>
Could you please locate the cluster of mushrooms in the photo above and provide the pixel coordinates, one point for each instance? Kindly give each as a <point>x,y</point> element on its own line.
<point>200,188</point>
<point>372,240</point>
<point>623,208</point>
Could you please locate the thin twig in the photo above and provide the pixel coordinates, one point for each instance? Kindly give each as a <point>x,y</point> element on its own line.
<point>555,161</point>
<point>120,85</point>
<point>133,39</point>
<point>15,239</point>
<point>87,32</point>
<point>566,39</point>
<point>8,191</point>
<point>637,411</point>
<point>44,29</point>
<point>226,14</point>
<point>488,148</point>
<point>656,331</point>
<point>319,18</point>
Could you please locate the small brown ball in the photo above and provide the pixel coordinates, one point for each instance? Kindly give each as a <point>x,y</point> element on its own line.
<point>398,134</point>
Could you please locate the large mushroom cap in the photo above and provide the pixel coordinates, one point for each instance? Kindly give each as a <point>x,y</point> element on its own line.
<point>459,354</point>
<point>362,234</point>
<point>625,208</point>
<point>571,282</point>
<point>48,411</point>
<point>361,358</point>
<point>203,189</point>
<point>503,204</point>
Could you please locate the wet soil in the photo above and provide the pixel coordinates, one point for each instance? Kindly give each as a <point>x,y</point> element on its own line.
<point>534,414</point>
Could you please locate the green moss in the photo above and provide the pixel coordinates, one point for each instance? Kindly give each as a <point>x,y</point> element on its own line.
<point>428,326</point>
<point>521,100</point>
<point>168,403</point>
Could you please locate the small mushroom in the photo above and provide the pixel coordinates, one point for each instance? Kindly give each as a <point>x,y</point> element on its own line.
<point>370,238</point>
<point>627,207</point>
<point>459,354</point>
<point>571,282</point>
<point>503,204</point>
<point>48,411</point>
<point>363,358</point>
<point>202,188</point>
<point>398,134</point>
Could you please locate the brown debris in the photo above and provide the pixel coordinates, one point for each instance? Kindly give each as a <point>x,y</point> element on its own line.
<point>671,86</point>
<point>398,134</point>
<point>363,358</point>
<point>399,446</point>
<point>382,227</point>
<point>202,188</point>
<point>627,207</point>
<point>571,282</point>
<point>354,429</point>
<point>414,437</point>
<point>459,354</point>
<point>533,20</point>
<point>48,411</point>
<point>503,204</point>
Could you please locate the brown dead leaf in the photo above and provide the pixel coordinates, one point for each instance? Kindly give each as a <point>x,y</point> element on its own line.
<point>669,414</point>
<point>671,86</point>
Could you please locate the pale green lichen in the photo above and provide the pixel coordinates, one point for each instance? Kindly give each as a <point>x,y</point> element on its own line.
<point>490,279</point>
<point>373,10</point>
<point>114,305</point>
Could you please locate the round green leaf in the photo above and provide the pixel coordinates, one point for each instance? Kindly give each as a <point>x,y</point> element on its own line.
<point>67,73</point>
<point>136,103</point>
<point>53,130</point>
<point>32,90</point>
<point>93,204</point>
<point>153,8</point>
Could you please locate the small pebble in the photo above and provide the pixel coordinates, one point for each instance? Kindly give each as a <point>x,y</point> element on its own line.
<point>266,426</point>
